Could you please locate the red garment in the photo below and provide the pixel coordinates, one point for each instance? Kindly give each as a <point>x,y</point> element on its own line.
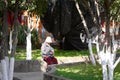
<point>102,23</point>
<point>10,19</point>
<point>51,60</point>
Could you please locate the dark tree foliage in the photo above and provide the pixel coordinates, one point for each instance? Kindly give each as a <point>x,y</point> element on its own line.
<point>63,21</point>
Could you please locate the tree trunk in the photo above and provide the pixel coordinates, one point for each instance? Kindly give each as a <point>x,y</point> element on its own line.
<point>28,47</point>
<point>4,44</point>
<point>7,63</point>
<point>11,68</point>
<point>88,34</point>
<point>4,70</point>
<point>10,41</point>
<point>106,47</point>
<point>104,71</point>
<point>111,70</point>
<point>91,52</point>
<point>28,40</point>
<point>14,43</point>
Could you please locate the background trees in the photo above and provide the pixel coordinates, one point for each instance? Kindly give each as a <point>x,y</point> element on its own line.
<point>106,46</point>
<point>10,10</point>
<point>101,13</point>
<point>65,21</point>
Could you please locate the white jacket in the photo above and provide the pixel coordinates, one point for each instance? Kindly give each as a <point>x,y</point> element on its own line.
<point>46,50</point>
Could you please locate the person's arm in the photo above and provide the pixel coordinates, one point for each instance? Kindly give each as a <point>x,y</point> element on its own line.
<point>51,50</point>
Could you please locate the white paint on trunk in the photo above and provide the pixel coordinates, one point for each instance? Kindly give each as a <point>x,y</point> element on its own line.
<point>104,71</point>
<point>102,57</point>
<point>110,65</point>
<point>82,37</point>
<point>28,47</point>
<point>10,41</point>
<point>1,76</point>
<point>103,62</point>
<point>91,52</point>
<point>98,52</point>
<point>111,70</point>
<point>7,63</point>
<point>28,40</point>
<point>11,69</point>
<point>107,61</point>
<point>97,46</point>
<point>4,70</point>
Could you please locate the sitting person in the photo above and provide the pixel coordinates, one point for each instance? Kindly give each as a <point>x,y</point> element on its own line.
<point>48,52</point>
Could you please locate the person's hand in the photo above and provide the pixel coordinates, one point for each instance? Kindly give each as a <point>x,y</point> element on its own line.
<point>52,53</point>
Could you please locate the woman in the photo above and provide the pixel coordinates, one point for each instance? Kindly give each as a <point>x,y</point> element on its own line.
<point>48,52</point>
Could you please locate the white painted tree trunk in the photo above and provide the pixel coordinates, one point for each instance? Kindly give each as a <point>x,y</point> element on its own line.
<point>103,62</point>
<point>108,63</point>
<point>106,60</point>
<point>111,71</point>
<point>11,68</point>
<point>7,68</point>
<point>4,70</point>
<point>104,71</point>
<point>7,63</point>
<point>28,39</point>
<point>28,47</point>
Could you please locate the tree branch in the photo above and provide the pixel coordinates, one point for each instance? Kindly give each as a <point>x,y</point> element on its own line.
<point>116,63</point>
<point>83,20</point>
<point>87,31</point>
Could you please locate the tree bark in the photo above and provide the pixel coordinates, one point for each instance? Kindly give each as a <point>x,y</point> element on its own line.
<point>15,30</point>
<point>14,43</point>
<point>4,44</point>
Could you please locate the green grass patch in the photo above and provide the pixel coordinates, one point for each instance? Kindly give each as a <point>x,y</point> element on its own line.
<point>21,54</point>
<point>70,53</point>
<point>36,53</point>
<point>80,72</point>
<point>117,72</point>
<point>84,72</point>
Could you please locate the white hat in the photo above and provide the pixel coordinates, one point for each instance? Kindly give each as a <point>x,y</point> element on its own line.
<point>48,39</point>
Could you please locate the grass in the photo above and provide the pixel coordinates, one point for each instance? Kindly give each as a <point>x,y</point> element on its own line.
<point>80,72</point>
<point>21,54</point>
<point>84,72</point>
<point>36,53</point>
<point>70,53</point>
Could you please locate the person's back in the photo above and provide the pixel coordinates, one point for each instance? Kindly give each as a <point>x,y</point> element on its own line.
<point>46,50</point>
